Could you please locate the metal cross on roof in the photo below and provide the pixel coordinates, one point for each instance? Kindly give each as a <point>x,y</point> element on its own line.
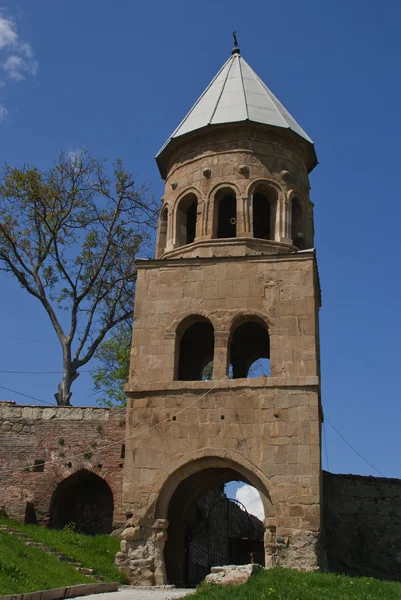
<point>236,49</point>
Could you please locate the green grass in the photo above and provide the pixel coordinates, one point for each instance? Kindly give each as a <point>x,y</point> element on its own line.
<point>26,569</point>
<point>94,552</point>
<point>284,584</point>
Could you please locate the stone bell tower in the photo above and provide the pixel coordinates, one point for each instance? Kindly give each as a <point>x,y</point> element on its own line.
<point>234,281</point>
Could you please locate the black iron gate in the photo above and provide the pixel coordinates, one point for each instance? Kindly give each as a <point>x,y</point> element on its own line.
<point>228,536</point>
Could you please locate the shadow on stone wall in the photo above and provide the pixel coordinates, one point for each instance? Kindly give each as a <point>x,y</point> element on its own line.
<point>362,525</point>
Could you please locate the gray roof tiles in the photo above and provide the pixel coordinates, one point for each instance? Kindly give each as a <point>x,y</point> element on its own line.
<point>237,94</point>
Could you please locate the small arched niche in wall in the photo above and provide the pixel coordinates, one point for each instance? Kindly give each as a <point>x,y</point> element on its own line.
<point>249,350</point>
<point>186,220</point>
<point>264,203</point>
<point>194,349</point>
<point>225,214</point>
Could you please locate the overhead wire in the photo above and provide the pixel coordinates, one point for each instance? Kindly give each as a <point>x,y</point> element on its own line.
<point>56,460</point>
<point>26,339</point>
<point>27,396</point>
<point>39,372</point>
<point>354,449</point>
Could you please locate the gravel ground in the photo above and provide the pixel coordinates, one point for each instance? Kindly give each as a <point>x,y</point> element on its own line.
<point>139,594</point>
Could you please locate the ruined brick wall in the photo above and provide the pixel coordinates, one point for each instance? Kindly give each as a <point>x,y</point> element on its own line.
<point>68,440</point>
<point>362,519</point>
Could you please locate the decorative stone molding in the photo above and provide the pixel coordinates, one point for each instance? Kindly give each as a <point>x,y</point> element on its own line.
<point>244,170</point>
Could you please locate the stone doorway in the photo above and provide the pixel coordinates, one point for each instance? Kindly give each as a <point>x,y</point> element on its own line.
<point>206,529</point>
<point>83,501</point>
<point>228,535</point>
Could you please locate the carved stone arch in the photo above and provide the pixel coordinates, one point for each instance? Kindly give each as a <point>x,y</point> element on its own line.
<point>265,200</point>
<point>196,461</point>
<point>249,343</point>
<point>264,181</point>
<point>194,347</point>
<point>180,222</point>
<point>242,316</point>
<point>85,499</point>
<point>172,329</point>
<point>211,212</point>
<point>190,190</point>
<point>163,229</point>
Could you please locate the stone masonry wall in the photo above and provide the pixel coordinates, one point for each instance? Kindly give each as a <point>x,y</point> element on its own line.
<point>67,439</point>
<point>362,520</point>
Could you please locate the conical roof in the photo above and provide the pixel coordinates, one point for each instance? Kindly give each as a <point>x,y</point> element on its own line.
<point>235,95</point>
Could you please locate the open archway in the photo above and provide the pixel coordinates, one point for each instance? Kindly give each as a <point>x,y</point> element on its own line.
<point>225,214</point>
<point>84,500</point>
<point>186,220</point>
<point>249,349</point>
<point>264,206</point>
<point>206,527</point>
<point>194,349</point>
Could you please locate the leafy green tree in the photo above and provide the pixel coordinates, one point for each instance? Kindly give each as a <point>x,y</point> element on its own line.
<point>111,369</point>
<point>70,236</point>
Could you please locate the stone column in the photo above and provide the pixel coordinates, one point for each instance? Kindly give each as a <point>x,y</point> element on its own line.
<point>283,221</point>
<point>220,361</point>
<point>269,539</point>
<point>169,234</point>
<point>243,213</point>
<point>141,553</point>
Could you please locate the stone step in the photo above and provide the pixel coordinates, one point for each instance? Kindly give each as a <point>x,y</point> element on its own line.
<point>86,571</point>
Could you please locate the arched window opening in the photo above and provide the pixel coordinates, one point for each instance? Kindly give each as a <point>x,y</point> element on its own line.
<point>163,231</point>
<point>196,351</point>
<point>297,225</point>
<point>226,207</point>
<point>249,351</point>
<point>216,518</point>
<point>85,501</point>
<point>262,217</point>
<point>186,220</point>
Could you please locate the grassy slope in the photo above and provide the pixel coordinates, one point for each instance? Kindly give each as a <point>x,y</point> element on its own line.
<point>25,569</point>
<point>283,584</point>
<point>94,552</point>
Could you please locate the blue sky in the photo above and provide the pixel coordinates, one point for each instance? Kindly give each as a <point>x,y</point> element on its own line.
<point>118,77</point>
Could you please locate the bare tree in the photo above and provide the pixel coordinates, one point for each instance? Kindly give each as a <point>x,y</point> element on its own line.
<point>70,236</point>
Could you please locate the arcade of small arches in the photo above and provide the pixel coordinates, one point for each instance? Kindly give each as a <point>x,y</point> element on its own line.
<point>264,213</point>
<point>246,347</point>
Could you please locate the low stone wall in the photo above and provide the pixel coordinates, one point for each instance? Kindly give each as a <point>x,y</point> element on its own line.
<point>362,522</point>
<point>41,447</point>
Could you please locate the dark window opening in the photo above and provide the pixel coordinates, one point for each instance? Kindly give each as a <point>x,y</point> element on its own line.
<point>186,220</point>
<point>196,351</point>
<point>227,217</point>
<point>191,222</point>
<point>83,501</point>
<point>297,225</point>
<point>39,466</point>
<point>261,217</point>
<point>122,455</point>
<point>250,351</point>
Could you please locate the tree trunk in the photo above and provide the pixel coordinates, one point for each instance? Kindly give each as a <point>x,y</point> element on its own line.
<point>70,374</point>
